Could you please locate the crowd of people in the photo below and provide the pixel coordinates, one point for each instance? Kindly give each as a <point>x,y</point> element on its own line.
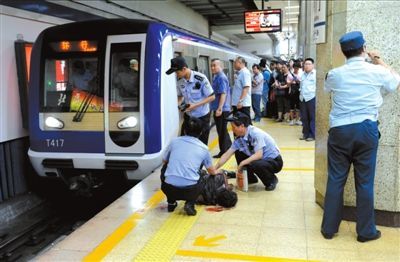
<point>287,92</point>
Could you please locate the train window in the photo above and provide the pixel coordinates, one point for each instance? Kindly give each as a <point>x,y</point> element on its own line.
<point>124,75</point>
<point>70,84</point>
<point>204,66</point>
<point>191,62</point>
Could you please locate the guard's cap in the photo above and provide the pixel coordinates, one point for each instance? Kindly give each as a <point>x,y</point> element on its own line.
<point>239,117</point>
<point>177,63</point>
<point>351,41</point>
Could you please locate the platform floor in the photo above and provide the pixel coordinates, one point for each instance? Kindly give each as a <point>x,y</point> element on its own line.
<point>281,225</point>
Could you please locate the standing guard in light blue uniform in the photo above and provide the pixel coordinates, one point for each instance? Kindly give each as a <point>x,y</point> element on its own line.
<point>353,136</point>
<point>195,91</point>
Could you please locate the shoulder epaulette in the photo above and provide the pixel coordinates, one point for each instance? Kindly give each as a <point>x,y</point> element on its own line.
<point>200,78</point>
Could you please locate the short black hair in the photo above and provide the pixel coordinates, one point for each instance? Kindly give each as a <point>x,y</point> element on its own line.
<point>353,52</point>
<point>226,198</point>
<point>215,59</point>
<point>297,64</point>
<point>193,127</point>
<point>257,66</point>
<point>309,59</point>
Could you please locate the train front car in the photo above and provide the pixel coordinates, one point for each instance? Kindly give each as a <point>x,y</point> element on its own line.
<point>95,100</point>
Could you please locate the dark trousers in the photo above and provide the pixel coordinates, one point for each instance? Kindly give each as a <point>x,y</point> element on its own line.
<point>174,193</point>
<point>206,127</point>
<point>355,144</point>
<point>307,111</point>
<point>224,139</point>
<point>244,109</point>
<point>256,104</point>
<point>265,169</point>
<point>265,101</point>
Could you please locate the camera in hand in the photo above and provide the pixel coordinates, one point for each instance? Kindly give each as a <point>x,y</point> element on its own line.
<point>182,107</point>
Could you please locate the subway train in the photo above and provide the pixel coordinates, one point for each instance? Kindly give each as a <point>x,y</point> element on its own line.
<point>100,102</point>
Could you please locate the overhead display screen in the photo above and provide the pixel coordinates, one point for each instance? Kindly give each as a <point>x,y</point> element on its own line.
<point>74,46</point>
<point>263,21</point>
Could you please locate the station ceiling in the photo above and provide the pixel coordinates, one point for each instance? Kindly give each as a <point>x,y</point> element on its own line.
<point>221,12</point>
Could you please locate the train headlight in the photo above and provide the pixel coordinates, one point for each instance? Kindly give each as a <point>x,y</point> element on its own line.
<point>128,122</point>
<point>54,122</point>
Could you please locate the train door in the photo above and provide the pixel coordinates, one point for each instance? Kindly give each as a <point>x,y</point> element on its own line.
<point>204,66</point>
<point>123,94</point>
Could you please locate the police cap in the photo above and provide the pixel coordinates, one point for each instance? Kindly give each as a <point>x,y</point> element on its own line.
<point>177,63</point>
<point>239,117</point>
<point>351,41</point>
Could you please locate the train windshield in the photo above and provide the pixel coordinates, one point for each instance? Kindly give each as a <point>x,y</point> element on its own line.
<point>71,85</point>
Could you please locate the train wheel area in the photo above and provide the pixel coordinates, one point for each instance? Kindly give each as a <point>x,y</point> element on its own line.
<point>281,225</point>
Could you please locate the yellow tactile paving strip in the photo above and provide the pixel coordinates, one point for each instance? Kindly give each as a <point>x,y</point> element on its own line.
<point>163,245</point>
<point>129,224</point>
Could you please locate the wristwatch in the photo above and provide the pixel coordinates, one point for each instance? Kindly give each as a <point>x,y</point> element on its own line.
<point>240,101</point>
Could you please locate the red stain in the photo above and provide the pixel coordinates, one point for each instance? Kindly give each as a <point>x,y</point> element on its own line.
<point>214,209</point>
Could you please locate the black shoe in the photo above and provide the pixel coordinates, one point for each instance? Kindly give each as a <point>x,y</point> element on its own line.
<point>327,235</point>
<point>230,174</point>
<point>366,239</point>
<point>303,138</point>
<point>272,185</point>
<point>189,209</point>
<point>171,207</point>
<point>218,155</point>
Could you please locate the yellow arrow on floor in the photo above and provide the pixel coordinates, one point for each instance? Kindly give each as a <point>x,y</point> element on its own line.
<point>203,242</point>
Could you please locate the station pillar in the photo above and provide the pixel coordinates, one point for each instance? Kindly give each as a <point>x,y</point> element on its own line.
<point>378,21</point>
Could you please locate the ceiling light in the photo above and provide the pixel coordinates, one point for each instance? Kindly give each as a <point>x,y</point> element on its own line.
<point>292,7</point>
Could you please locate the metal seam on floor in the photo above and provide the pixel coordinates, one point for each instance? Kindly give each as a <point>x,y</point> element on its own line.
<point>164,244</point>
<point>128,225</point>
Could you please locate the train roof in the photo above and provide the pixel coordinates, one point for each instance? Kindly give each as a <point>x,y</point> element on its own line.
<point>86,29</point>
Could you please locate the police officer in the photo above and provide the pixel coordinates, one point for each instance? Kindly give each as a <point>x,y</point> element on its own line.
<point>353,136</point>
<point>241,93</point>
<point>180,175</point>
<point>254,149</point>
<point>195,90</point>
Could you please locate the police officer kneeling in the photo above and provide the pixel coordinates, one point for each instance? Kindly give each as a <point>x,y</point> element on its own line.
<point>353,136</point>
<point>183,159</point>
<point>255,150</point>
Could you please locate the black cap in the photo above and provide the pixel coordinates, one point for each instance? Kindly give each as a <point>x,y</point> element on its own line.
<point>239,117</point>
<point>177,63</point>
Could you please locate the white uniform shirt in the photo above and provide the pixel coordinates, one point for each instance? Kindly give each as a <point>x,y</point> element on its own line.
<point>355,89</point>
<point>195,90</point>
<point>242,79</point>
<point>308,84</point>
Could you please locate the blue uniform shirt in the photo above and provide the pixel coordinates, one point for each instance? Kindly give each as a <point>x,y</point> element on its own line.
<point>242,79</point>
<point>355,89</point>
<point>266,75</point>
<point>220,86</point>
<point>185,155</point>
<point>308,84</point>
<point>257,139</point>
<point>195,90</point>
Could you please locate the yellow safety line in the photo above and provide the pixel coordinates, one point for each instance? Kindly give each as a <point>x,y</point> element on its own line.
<point>128,225</point>
<point>297,169</point>
<point>163,245</point>
<point>296,148</point>
<point>230,256</point>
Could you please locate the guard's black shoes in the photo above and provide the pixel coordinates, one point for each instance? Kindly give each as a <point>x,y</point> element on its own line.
<point>171,207</point>
<point>230,174</point>
<point>327,235</point>
<point>366,239</point>
<point>218,155</point>
<point>189,209</point>
<point>272,185</point>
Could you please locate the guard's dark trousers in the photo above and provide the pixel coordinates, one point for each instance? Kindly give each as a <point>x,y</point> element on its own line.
<point>224,139</point>
<point>265,169</point>
<point>307,111</point>
<point>355,144</point>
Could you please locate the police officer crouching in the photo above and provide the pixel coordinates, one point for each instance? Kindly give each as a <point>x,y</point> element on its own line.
<point>183,159</point>
<point>353,136</point>
<point>195,91</point>
<point>255,150</point>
